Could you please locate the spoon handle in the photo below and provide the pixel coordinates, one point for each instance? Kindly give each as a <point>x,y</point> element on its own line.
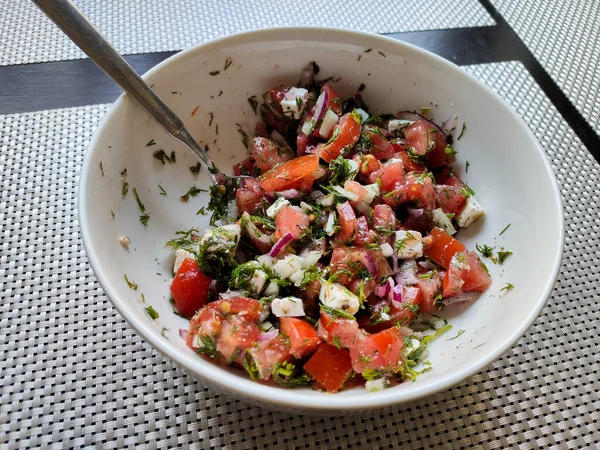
<point>81,31</point>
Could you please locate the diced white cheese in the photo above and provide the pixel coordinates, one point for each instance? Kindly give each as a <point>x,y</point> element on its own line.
<point>267,260</point>
<point>386,249</point>
<point>223,238</point>
<point>273,210</point>
<point>180,256</point>
<point>345,193</point>
<point>287,307</point>
<point>379,384</point>
<point>363,115</point>
<point>441,220</point>
<point>294,102</point>
<point>398,124</point>
<point>327,200</point>
<point>258,281</point>
<point>272,289</point>
<point>330,225</point>
<point>373,192</point>
<point>306,207</point>
<point>287,266</point>
<point>329,120</point>
<point>311,258</point>
<point>470,213</point>
<point>297,278</point>
<point>409,244</point>
<point>266,326</point>
<point>337,296</point>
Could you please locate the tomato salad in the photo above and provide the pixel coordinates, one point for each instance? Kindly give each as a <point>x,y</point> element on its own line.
<point>326,263</point>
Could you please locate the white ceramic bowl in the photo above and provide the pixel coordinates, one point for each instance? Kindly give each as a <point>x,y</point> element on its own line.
<point>507,169</point>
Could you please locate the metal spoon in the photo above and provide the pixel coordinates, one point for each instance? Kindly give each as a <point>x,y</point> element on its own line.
<point>81,31</point>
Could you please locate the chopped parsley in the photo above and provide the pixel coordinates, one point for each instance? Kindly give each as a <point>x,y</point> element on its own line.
<point>131,284</point>
<point>462,131</point>
<point>151,312</point>
<point>505,228</point>
<point>193,192</point>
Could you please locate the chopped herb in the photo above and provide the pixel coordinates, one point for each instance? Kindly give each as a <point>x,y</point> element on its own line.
<point>131,284</point>
<point>228,62</point>
<point>462,131</point>
<point>162,191</point>
<point>173,156</point>
<point>361,87</point>
<point>201,211</point>
<point>151,143</point>
<point>193,192</point>
<point>214,73</point>
<point>101,169</point>
<point>507,288</point>
<point>139,202</point>
<point>208,347</point>
<point>505,228</point>
<point>220,93</point>
<point>368,50</point>
<point>336,341</point>
<point>253,103</point>
<point>459,333</point>
<point>450,151</point>
<point>212,116</point>
<point>220,196</point>
<point>502,255</point>
<point>336,312</point>
<point>216,130</point>
<point>144,219</point>
<point>485,250</point>
<point>299,103</point>
<point>341,171</point>
<point>245,139</point>
<point>143,298</point>
<point>467,167</point>
<point>251,368</point>
<point>152,312</point>
<point>163,332</point>
<point>359,56</point>
<point>424,109</point>
<point>284,375</point>
<point>467,191</point>
<point>382,54</point>
<point>162,156</point>
<point>195,109</point>
<point>124,188</point>
<point>112,213</point>
<point>196,169</point>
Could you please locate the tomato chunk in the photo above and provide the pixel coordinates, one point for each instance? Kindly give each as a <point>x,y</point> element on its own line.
<point>286,175</point>
<point>478,278</point>
<point>249,197</point>
<point>267,354</point>
<point>442,248</point>
<point>389,175</point>
<point>380,351</point>
<point>290,220</point>
<point>449,198</point>
<point>337,330</point>
<point>190,288</point>
<point>267,153</point>
<point>347,222</point>
<point>330,367</point>
<point>303,337</point>
<point>427,140</point>
<point>380,148</point>
<point>345,135</point>
<point>334,103</point>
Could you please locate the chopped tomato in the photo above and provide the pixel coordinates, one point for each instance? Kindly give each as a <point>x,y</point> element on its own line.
<point>431,291</point>
<point>367,164</point>
<point>380,351</point>
<point>356,188</point>
<point>389,175</point>
<point>330,367</point>
<point>286,175</point>
<point>418,188</point>
<point>246,167</point>
<point>334,102</point>
<point>478,278</point>
<point>424,138</point>
<point>381,148</point>
<point>261,130</point>
<point>447,176</point>
<point>410,165</point>
<point>267,354</point>
<point>364,235</point>
<point>249,197</point>
<point>301,143</point>
<point>347,223</point>
<point>190,288</point>
<point>345,135</point>
<point>344,259</point>
<point>337,330</point>
<point>455,275</point>
<point>303,337</point>
<point>449,198</point>
<point>237,335</point>
<point>384,219</point>
<point>442,247</point>
<point>267,153</point>
<point>290,219</point>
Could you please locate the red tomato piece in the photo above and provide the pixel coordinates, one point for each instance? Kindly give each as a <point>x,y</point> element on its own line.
<point>478,278</point>
<point>345,135</point>
<point>431,291</point>
<point>261,130</point>
<point>334,102</point>
<point>246,167</point>
<point>303,337</point>
<point>449,198</point>
<point>290,219</point>
<point>288,174</point>
<point>356,188</point>
<point>337,330</point>
<point>330,367</point>
<point>301,143</point>
<point>389,175</point>
<point>419,190</point>
<point>267,153</point>
<point>267,354</point>
<point>442,247</point>
<point>367,164</point>
<point>371,259</point>
<point>237,335</point>
<point>410,165</point>
<point>249,197</point>
<point>455,275</point>
<point>190,288</point>
<point>347,222</point>
<point>380,351</point>
<point>364,235</point>
<point>381,148</point>
<point>425,138</point>
<point>384,218</point>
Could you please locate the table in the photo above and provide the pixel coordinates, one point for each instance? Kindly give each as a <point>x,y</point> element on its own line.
<point>73,374</point>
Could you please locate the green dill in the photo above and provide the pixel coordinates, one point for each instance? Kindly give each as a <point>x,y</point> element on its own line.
<point>228,62</point>
<point>131,284</point>
<point>467,191</point>
<point>151,312</point>
<point>163,332</point>
<point>507,288</point>
<point>208,347</point>
<point>220,196</point>
<point>336,341</point>
<point>485,250</point>
<point>162,156</point>
<point>245,139</point>
<point>372,374</point>
<point>467,166</point>
<point>101,169</point>
<point>220,93</point>
<point>502,255</point>
<point>424,109</point>
<point>284,374</point>
<point>151,143</point>
<point>336,312</point>
<point>361,87</point>
<point>242,275</point>
<point>311,275</point>
<point>382,54</point>
<point>144,219</point>
<point>374,120</point>
<point>193,192</point>
<point>265,222</point>
<point>184,239</point>
<point>250,367</point>
<point>112,213</point>
<point>124,188</point>
<point>214,73</point>
<point>212,117</point>
<point>299,103</point>
<point>172,156</point>
<point>201,211</point>
<point>143,298</point>
<point>427,275</point>
<point>341,171</point>
<point>253,103</point>
<point>145,215</point>
<point>368,50</point>
<point>378,318</point>
<point>505,228</point>
<point>359,56</point>
<point>462,131</point>
<point>162,191</point>
<point>196,169</point>
<point>450,151</point>
<point>459,333</point>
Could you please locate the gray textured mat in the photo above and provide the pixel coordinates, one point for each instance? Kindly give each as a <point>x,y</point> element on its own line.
<point>144,26</point>
<point>565,37</point>
<point>72,373</point>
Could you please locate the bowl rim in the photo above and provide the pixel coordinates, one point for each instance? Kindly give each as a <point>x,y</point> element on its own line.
<point>293,398</point>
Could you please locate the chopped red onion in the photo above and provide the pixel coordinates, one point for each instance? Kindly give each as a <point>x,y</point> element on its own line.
<point>369,263</point>
<point>268,335</point>
<point>289,193</point>
<point>385,289</point>
<point>395,296</point>
<point>281,243</point>
<point>307,76</point>
<point>427,265</point>
<point>449,124</point>
<point>183,334</point>
<point>462,298</point>
<point>407,274</point>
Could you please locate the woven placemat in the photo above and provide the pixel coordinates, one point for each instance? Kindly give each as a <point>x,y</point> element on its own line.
<point>144,26</point>
<point>563,36</point>
<point>73,374</point>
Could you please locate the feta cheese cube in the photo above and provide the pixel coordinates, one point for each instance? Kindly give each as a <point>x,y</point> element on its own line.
<point>409,244</point>
<point>337,296</point>
<point>470,213</point>
<point>180,256</point>
<point>306,207</point>
<point>379,384</point>
<point>398,124</point>
<point>386,249</point>
<point>258,281</point>
<point>294,102</point>
<point>297,278</point>
<point>311,258</point>
<point>441,220</point>
<point>272,289</point>
<point>329,120</point>
<point>287,266</point>
<point>273,210</point>
<point>223,238</point>
<point>363,115</point>
<point>327,200</point>
<point>287,307</point>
